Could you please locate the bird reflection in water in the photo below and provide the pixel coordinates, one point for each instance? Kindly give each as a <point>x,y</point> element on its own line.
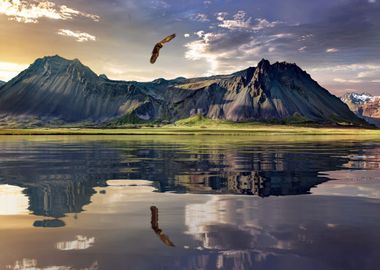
<point>155,227</point>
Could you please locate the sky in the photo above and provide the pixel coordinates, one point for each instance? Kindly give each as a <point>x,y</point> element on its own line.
<point>336,41</point>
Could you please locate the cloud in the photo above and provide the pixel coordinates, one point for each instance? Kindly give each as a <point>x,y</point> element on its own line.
<point>199,17</point>
<point>302,49</point>
<point>158,4</point>
<point>230,50</point>
<point>199,49</point>
<point>340,80</point>
<point>186,35</point>
<point>79,36</point>
<point>349,67</point>
<point>31,11</point>
<point>235,42</point>
<point>332,50</point>
<point>369,74</point>
<point>241,21</point>
<point>238,22</point>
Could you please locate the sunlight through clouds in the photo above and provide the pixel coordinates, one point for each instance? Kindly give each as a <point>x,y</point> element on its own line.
<point>31,11</point>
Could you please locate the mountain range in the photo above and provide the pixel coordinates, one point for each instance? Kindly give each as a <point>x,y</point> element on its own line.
<point>2,83</point>
<point>364,105</point>
<point>57,91</point>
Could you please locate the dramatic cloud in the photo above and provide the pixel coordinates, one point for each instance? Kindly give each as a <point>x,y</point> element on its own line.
<point>200,49</point>
<point>240,21</point>
<point>79,36</point>
<point>236,34</point>
<point>237,43</point>
<point>31,11</point>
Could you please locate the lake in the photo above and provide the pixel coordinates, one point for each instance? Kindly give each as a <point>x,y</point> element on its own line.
<point>189,202</point>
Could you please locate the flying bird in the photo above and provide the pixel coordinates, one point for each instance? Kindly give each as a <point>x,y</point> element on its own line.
<point>158,46</point>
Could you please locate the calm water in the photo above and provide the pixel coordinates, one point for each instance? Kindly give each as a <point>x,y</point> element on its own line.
<point>166,202</point>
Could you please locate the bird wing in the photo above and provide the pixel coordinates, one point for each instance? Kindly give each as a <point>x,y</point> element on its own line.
<point>165,239</point>
<point>158,46</point>
<point>168,39</point>
<point>155,53</point>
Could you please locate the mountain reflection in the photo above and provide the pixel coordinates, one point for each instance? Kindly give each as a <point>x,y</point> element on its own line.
<point>49,223</point>
<point>59,177</point>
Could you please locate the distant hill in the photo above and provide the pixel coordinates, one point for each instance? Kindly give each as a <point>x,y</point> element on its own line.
<point>57,91</point>
<point>364,105</point>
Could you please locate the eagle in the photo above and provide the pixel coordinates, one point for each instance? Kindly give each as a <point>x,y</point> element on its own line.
<point>158,46</point>
<point>155,227</point>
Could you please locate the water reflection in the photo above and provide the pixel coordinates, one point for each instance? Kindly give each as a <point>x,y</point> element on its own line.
<point>58,177</point>
<point>80,243</point>
<point>210,232</point>
<point>32,264</point>
<point>12,200</point>
<point>49,223</point>
<point>156,228</point>
<point>245,234</point>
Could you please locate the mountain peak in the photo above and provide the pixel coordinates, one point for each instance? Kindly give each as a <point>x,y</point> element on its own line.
<point>56,87</point>
<point>57,65</point>
<point>58,60</point>
<point>263,61</point>
<point>263,64</point>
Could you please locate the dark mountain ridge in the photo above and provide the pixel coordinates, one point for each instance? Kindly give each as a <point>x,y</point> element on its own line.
<point>54,89</point>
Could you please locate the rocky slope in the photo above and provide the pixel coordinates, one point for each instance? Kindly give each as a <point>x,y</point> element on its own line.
<point>56,90</point>
<point>364,105</point>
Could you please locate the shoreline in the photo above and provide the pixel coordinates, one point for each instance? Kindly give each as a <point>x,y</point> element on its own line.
<point>257,130</point>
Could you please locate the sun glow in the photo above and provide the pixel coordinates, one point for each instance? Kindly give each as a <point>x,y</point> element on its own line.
<point>13,201</point>
<point>10,70</point>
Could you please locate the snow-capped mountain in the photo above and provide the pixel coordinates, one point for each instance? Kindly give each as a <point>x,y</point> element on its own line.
<point>357,98</point>
<point>364,105</point>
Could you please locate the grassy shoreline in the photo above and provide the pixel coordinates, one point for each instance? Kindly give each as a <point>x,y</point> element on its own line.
<point>223,129</point>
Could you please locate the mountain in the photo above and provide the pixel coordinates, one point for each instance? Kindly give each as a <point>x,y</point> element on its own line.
<point>364,105</point>
<point>54,90</point>
<point>1,83</point>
